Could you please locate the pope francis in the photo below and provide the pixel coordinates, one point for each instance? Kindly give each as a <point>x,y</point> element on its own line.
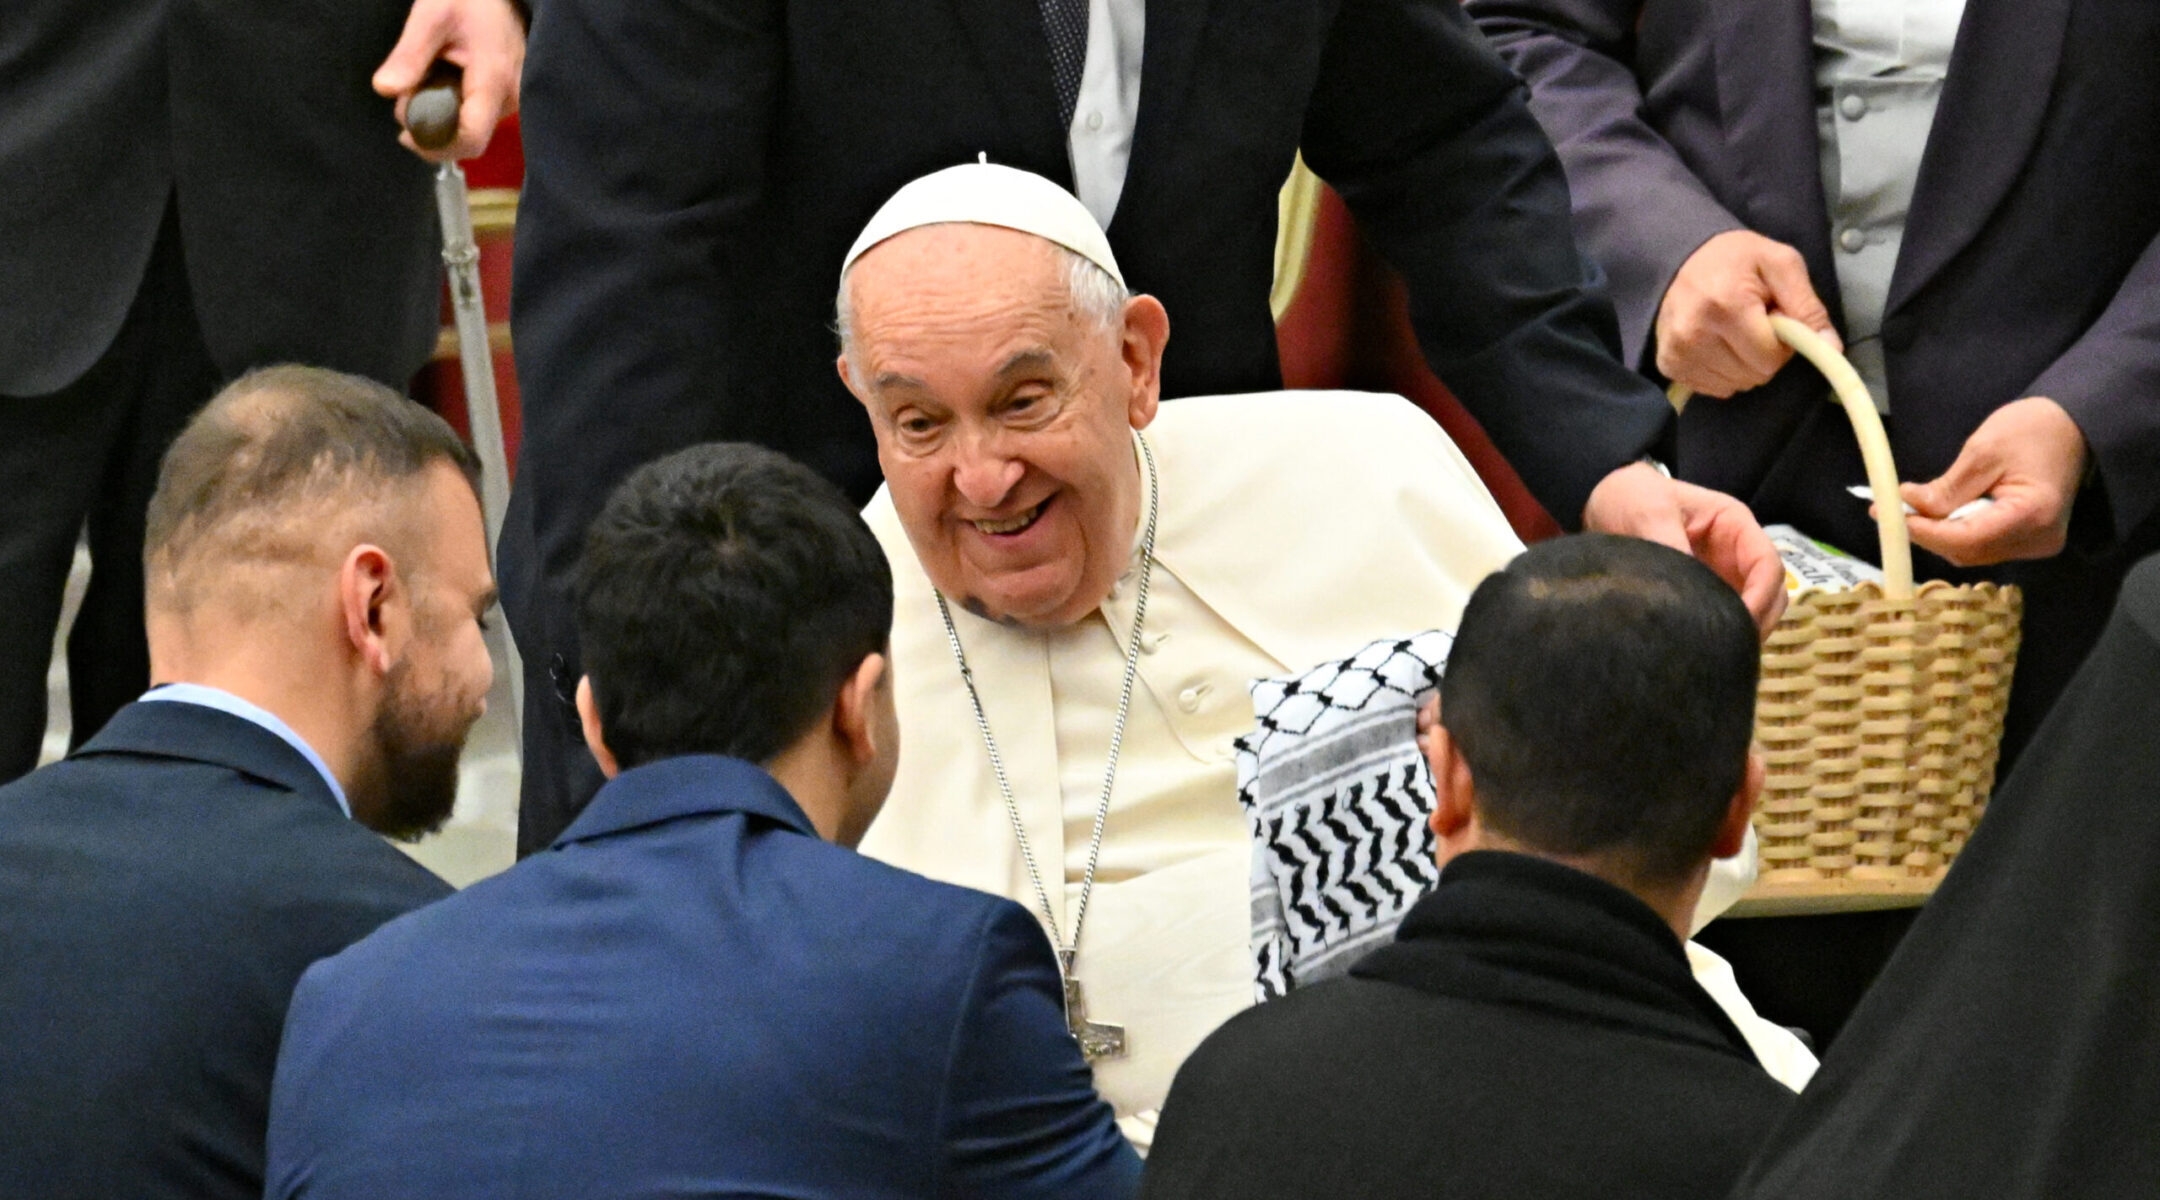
<point>1086,582</point>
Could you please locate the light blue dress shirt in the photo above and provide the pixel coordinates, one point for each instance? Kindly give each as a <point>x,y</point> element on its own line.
<point>1879,71</point>
<point>226,702</point>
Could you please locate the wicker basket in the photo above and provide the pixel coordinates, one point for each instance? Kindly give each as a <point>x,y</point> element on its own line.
<point>1881,707</point>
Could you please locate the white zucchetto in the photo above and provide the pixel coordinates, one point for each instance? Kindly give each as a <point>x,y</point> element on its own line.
<point>984,193</point>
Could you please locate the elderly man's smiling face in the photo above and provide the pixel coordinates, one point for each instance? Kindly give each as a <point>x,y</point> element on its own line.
<point>1004,416</point>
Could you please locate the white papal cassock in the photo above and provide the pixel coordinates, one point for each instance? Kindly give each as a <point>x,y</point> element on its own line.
<point>1294,527</point>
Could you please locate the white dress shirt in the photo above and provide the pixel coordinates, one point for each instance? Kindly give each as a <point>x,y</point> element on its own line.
<point>1100,140</point>
<point>1879,71</point>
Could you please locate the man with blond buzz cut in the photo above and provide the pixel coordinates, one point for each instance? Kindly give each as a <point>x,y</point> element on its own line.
<point>1086,581</point>
<point>317,574</point>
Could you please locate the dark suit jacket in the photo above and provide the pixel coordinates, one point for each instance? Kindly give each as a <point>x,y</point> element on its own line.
<point>160,893</point>
<point>309,232</point>
<point>2030,265</point>
<point>1533,1032</point>
<point>2012,1048</point>
<point>696,173</point>
<point>691,994</point>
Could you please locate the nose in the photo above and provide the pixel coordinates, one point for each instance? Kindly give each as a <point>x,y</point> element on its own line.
<point>984,473</point>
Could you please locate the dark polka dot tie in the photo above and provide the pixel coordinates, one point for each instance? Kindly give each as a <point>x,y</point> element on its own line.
<point>1066,21</point>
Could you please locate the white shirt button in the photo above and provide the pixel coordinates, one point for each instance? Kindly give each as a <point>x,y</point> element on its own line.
<point>1853,240</point>
<point>1191,698</point>
<point>1094,121</point>
<point>1854,107</point>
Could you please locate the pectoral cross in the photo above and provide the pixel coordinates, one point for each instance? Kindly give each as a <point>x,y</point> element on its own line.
<point>1097,1039</point>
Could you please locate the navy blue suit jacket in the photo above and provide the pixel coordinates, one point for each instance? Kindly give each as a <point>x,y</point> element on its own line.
<point>160,893</point>
<point>692,994</point>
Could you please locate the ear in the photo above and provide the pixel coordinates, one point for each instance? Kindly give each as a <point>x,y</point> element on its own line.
<point>375,604</point>
<point>847,378</point>
<point>854,712</point>
<point>1732,831</point>
<point>1454,816</point>
<point>588,715</point>
<point>1147,331</point>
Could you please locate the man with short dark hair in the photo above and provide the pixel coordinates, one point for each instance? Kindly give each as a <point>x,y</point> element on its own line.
<point>317,573</point>
<point>701,988</point>
<point>1534,1030</point>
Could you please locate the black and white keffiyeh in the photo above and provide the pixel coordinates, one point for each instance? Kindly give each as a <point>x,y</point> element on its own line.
<point>1337,796</point>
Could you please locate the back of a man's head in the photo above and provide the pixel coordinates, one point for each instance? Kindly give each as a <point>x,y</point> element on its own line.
<point>286,467</point>
<point>725,594</point>
<point>1602,691</point>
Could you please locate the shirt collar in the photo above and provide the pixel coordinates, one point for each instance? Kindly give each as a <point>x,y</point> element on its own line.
<point>690,785</point>
<point>225,702</point>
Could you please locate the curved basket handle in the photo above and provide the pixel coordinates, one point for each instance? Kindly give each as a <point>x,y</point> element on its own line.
<point>1874,446</point>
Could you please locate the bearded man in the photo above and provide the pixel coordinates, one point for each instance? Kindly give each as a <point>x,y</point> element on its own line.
<point>317,575</point>
<point>1085,583</point>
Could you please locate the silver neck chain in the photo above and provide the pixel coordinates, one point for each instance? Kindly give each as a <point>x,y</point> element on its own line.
<point>1067,950</point>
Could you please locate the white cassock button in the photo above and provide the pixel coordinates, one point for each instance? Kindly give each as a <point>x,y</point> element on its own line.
<point>1853,240</point>
<point>1854,107</point>
<point>1151,642</point>
<point>1094,121</point>
<point>1190,699</point>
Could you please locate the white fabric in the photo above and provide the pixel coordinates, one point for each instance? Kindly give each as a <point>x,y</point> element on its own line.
<point>1879,72</point>
<point>1783,1055</point>
<point>985,193</point>
<point>1100,140</point>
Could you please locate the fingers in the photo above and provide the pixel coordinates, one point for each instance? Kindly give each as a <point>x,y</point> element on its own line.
<point>1969,478</point>
<point>1713,327</point>
<point>2012,528</point>
<point>414,53</point>
<point>483,37</point>
<point>1791,292</point>
<point>1725,536</point>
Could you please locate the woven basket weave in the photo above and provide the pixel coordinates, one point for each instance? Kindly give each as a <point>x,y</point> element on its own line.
<point>1881,706</point>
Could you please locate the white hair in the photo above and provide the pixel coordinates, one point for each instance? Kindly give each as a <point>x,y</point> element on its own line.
<point>1096,296</point>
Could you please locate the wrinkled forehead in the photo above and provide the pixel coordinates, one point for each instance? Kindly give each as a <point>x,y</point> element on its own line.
<point>935,265</point>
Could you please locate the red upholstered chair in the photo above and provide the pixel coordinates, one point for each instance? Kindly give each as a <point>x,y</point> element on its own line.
<point>1342,321</point>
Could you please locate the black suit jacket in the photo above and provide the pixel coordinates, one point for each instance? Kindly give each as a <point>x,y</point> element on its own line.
<point>2030,264</point>
<point>2012,1047</point>
<point>308,231</point>
<point>1533,1032</point>
<point>696,173</point>
<point>160,893</point>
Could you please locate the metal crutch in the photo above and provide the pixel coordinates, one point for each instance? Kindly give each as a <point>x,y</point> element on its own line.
<point>431,116</point>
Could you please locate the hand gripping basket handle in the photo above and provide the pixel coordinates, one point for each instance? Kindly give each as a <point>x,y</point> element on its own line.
<point>1874,446</point>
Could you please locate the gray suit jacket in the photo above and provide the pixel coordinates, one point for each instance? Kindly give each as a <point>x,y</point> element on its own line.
<point>2030,264</point>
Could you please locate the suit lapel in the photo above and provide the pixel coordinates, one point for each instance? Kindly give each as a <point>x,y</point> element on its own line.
<point>1766,94</point>
<point>1013,53</point>
<point>2002,74</point>
<point>1166,71</point>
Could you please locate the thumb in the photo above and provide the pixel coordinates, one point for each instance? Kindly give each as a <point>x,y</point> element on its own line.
<point>1793,294</point>
<point>1968,479</point>
<point>410,59</point>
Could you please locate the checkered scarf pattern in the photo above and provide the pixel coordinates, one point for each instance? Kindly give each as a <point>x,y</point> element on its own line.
<point>1336,795</point>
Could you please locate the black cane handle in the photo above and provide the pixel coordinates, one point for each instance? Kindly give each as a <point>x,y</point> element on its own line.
<point>431,116</point>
